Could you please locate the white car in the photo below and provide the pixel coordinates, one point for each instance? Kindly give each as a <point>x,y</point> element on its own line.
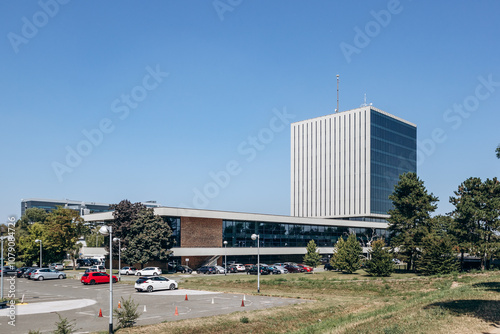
<point>128,271</point>
<point>239,266</point>
<point>155,271</point>
<point>153,283</point>
<point>98,268</point>
<point>220,270</point>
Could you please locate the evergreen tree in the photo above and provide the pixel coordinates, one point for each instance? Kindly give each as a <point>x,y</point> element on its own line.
<point>438,255</point>
<point>498,151</point>
<point>380,262</point>
<point>409,221</point>
<point>312,257</point>
<point>347,255</point>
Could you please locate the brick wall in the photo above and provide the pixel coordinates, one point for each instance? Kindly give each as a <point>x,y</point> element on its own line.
<point>201,232</point>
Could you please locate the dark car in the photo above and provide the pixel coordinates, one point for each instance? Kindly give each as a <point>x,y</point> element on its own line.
<point>232,269</point>
<point>264,270</point>
<point>21,271</point>
<point>9,270</point>
<point>84,263</point>
<point>29,271</point>
<point>293,269</point>
<point>207,270</point>
<point>183,269</point>
<point>328,266</point>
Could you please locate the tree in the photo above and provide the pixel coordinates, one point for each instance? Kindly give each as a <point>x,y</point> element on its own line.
<point>477,214</point>
<point>149,238</point>
<point>128,314</point>
<point>347,255</point>
<point>498,151</point>
<point>32,215</point>
<point>124,214</point>
<point>409,221</point>
<point>438,256</point>
<point>63,229</point>
<point>312,257</point>
<point>74,253</point>
<point>380,262</point>
<point>29,250</point>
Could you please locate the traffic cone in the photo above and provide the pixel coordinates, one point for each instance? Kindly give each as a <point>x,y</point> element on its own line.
<point>176,312</point>
<point>213,301</point>
<point>186,297</point>
<point>119,304</point>
<point>100,313</point>
<point>145,308</point>
<point>244,297</point>
<point>242,303</point>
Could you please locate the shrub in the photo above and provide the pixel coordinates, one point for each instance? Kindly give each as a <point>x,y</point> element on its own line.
<point>128,314</point>
<point>64,326</point>
<point>380,263</point>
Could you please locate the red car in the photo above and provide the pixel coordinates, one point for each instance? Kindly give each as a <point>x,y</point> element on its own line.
<point>306,268</point>
<point>95,278</point>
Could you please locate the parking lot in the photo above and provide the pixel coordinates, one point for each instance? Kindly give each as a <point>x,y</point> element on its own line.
<point>81,304</point>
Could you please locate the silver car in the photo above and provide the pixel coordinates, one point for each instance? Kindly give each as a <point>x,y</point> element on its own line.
<point>46,273</point>
<point>56,266</point>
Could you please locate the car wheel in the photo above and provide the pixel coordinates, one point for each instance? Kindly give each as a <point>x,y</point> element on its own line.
<point>92,282</point>
<point>61,277</point>
<point>126,273</point>
<point>155,274</point>
<point>138,274</point>
<point>150,288</point>
<point>40,278</point>
<point>172,286</point>
<point>114,280</point>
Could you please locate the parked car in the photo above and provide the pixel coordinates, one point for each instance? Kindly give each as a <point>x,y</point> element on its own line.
<point>56,266</point>
<point>232,269</point>
<point>149,271</point>
<point>306,268</point>
<point>47,273</point>
<point>264,270</point>
<point>220,270</point>
<point>20,271</point>
<point>9,270</point>
<point>84,263</point>
<point>328,266</point>
<point>153,283</point>
<point>183,269</point>
<point>128,271</point>
<point>99,267</point>
<point>293,269</point>
<point>276,270</point>
<point>207,270</point>
<point>96,278</point>
<point>239,267</point>
<point>27,273</point>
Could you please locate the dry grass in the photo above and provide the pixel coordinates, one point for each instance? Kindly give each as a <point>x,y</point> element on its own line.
<point>352,304</point>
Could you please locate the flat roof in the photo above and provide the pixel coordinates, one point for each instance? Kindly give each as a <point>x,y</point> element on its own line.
<point>243,216</point>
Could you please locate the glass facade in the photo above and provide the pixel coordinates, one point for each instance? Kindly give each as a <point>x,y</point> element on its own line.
<point>393,152</point>
<point>175,225</point>
<point>238,234</point>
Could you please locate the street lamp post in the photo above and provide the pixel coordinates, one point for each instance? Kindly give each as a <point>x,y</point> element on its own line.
<point>40,241</point>
<point>1,267</point>
<point>119,257</point>
<point>108,230</point>
<point>225,257</point>
<point>257,237</point>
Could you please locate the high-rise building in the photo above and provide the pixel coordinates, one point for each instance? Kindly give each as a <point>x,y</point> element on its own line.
<point>345,165</point>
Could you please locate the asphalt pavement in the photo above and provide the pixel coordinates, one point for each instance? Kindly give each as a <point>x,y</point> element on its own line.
<point>45,300</point>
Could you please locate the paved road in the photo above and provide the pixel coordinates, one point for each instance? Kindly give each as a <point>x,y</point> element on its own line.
<point>81,304</point>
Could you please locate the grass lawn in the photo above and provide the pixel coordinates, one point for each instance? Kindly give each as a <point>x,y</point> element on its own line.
<point>357,303</point>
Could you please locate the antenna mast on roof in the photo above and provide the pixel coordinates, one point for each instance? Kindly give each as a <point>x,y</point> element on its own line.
<point>364,103</point>
<point>337,110</point>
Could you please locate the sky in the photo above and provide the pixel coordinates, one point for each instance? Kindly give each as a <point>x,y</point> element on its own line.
<point>190,103</point>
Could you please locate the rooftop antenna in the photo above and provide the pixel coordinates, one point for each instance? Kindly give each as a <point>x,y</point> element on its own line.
<point>337,110</point>
<point>364,103</point>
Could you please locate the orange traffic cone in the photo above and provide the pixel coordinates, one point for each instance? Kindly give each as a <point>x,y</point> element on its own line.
<point>186,297</point>
<point>100,313</point>
<point>119,304</point>
<point>242,303</point>
<point>176,312</point>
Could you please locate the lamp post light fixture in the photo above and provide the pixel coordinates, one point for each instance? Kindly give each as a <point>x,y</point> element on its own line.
<point>108,230</point>
<point>257,237</point>
<point>119,257</point>
<point>40,241</point>
<point>1,268</point>
<point>225,257</point>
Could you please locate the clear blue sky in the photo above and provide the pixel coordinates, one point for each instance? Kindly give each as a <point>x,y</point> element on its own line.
<point>222,71</point>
